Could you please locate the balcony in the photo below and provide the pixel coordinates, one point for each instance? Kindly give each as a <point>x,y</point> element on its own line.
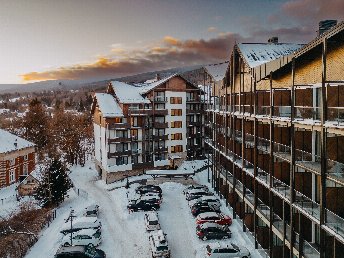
<point>335,116</point>
<point>120,139</point>
<point>119,153</point>
<point>160,137</point>
<point>160,112</point>
<point>160,125</point>
<point>119,126</point>
<point>193,111</point>
<point>194,123</point>
<point>192,99</point>
<point>140,112</point>
<point>160,149</point>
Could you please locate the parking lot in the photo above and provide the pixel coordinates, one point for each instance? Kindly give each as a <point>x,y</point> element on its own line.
<point>124,233</point>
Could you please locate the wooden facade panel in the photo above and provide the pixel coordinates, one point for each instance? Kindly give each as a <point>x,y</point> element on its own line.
<point>304,97</point>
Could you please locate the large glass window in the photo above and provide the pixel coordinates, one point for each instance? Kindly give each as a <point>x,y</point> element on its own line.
<point>12,176</point>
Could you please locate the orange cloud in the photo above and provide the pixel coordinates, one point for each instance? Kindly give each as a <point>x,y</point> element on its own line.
<point>171,41</point>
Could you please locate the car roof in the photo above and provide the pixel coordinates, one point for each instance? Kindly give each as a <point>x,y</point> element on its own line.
<point>209,197</point>
<point>159,238</point>
<point>152,216</point>
<point>223,245</point>
<point>208,214</point>
<point>86,231</point>
<point>92,207</point>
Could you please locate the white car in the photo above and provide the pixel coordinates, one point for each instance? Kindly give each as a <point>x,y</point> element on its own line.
<point>196,190</point>
<point>191,187</point>
<point>81,223</point>
<point>152,221</point>
<point>91,211</point>
<point>83,237</point>
<point>225,250</point>
<point>158,244</point>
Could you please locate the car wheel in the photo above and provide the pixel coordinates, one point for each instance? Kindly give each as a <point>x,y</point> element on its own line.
<point>204,238</point>
<point>244,257</point>
<point>66,244</point>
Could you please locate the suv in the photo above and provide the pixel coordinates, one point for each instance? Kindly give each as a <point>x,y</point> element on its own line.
<point>201,209</point>
<point>222,250</point>
<point>191,187</point>
<point>79,252</point>
<point>142,189</point>
<point>213,205</point>
<point>195,195</point>
<point>152,221</point>
<point>81,223</point>
<point>91,211</point>
<point>158,244</point>
<point>83,237</point>
<point>212,231</point>
<point>209,199</point>
<point>218,218</point>
<point>144,205</point>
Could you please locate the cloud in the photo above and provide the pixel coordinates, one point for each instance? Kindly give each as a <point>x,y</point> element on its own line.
<point>212,29</point>
<point>170,52</point>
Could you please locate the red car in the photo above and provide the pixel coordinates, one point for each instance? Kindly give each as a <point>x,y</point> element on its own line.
<point>218,218</point>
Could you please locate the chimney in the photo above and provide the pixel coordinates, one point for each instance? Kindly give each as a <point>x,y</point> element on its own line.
<point>326,25</point>
<point>273,40</point>
<point>15,143</point>
<point>158,77</point>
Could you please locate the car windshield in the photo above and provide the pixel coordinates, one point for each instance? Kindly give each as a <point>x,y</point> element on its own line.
<point>235,247</point>
<point>153,222</point>
<point>162,248</point>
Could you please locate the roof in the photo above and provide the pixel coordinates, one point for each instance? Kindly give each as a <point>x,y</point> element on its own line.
<point>108,105</point>
<point>127,93</point>
<point>8,141</point>
<point>149,87</point>
<point>256,54</point>
<point>217,71</point>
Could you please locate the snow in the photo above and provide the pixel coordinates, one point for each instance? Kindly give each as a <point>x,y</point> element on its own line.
<point>217,71</point>
<point>124,234</point>
<point>108,105</point>
<point>260,53</point>
<point>151,86</point>
<point>127,93</point>
<point>8,141</point>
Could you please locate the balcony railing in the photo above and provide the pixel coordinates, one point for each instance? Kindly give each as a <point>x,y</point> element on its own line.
<point>303,113</point>
<point>335,115</point>
<point>335,223</point>
<point>119,126</point>
<point>162,99</point>
<point>160,125</point>
<point>119,139</point>
<point>140,111</point>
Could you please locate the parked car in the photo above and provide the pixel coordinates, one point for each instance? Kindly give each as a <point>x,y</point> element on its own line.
<point>212,231</point>
<point>206,198</point>
<point>152,194</point>
<point>196,195</point>
<point>81,223</point>
<point>191,187</point>
<point>152,221</point>
<point>144,205</point>
<point>201,209</point>
<point>148,189</point>
<point>88,251</point>
<point>151,198</point>
<point>195,191</point>
<point>214,205</point>
<point>83,237</point>
<point>224,250</point>
<point>91,211</point>
<point>158,244</point>
<point>218,218</point>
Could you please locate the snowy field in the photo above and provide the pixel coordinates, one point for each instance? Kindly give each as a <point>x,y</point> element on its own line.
<point>124,234</point>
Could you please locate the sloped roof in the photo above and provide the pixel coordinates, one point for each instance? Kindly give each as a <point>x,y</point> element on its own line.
<point>256,54</point>
<point>8,140</point>
<point>149,87</point>
<point>108,105</point>
<point>217,71</point>
<point>127,93</point>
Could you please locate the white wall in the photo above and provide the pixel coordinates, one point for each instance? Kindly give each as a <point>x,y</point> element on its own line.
<point>97,142</point>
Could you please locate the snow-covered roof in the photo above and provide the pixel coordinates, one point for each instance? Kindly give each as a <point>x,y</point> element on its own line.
<point>108,105</point>
<point>10,142</point>
<point>151,86</point>
<point>127,93</point>
<point>217,71</point>
<point>259,53</point>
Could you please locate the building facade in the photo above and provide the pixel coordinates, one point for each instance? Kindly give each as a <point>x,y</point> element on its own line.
<point>276,139</point>
<point>17,158</point>
<point>140,126</point>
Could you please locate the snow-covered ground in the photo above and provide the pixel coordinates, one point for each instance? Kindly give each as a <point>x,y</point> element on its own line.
<point>124,234</point>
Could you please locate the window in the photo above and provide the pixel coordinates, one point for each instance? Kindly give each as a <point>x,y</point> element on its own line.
<point>176,124</point>
<point>134,121</point>
<point>25,169</point>
<point>159,132</point>
<point>134,159</point>
<point>26,157</point>
<point>120,147</point>
<point>134,147</point>
<point>176,112</point>
<point>134,134</point>
<point>122,133</point>
<point>160,156</point>
<point>176,148</point>
<point>159,106</point>
<point>159,119</point>
<point>12,176</point>
<point>176,100</point>
<point>118,120</point>
<point>177,136</point>
<point>12,162</point>
<point>121,161</point>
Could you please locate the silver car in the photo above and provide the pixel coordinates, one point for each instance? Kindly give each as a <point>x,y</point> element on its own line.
<point>225,250</point>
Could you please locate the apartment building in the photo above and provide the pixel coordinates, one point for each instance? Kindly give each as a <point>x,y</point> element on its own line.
<point>141,126</point>
<point>17,158</point>
<point>276,139</point>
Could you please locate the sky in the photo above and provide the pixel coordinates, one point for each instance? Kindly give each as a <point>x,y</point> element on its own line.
<point>101,39</point>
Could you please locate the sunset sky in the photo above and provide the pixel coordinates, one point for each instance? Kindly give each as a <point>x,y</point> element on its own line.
<point>84,39</point>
